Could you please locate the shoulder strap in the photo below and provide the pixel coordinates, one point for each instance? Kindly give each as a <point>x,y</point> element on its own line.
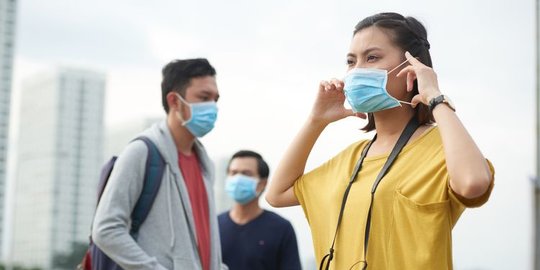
<point>325,262</point>
<point>153,174</point>
<point>402,141</point>
<point>104,177</point>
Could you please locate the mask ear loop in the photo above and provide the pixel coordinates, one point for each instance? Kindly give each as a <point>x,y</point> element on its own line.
<point>184,122</point>
<point>264,188</point>
<point>402,63</point>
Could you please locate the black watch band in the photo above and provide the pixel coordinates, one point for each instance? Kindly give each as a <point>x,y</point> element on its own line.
<point>441,99</point>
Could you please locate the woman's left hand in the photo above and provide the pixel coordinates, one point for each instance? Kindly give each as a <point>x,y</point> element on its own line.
<point>428,87</point>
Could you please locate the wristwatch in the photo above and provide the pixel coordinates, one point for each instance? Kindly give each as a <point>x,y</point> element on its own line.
<point>441,99</point>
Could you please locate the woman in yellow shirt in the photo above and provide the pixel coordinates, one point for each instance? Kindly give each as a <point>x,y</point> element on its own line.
<point>390,202</point>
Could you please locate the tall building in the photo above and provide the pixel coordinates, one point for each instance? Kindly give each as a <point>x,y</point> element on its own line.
<point>60,153</point>
<point>223,201</point>
<point>7,36</point>
<point>118,135</point>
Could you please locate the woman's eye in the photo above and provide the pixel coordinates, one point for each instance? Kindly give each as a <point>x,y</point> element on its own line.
<point>350,62</point>
<point>371,58</point>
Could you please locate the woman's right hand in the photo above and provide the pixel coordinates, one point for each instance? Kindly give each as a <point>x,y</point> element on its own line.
<point>329,106</point>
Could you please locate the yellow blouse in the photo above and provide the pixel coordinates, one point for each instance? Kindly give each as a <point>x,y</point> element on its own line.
<point>413,214</point>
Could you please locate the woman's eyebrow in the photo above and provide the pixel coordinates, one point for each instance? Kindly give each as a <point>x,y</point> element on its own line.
<point>367,51</point>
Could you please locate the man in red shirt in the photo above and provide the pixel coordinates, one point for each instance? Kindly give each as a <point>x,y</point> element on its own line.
<point>180,231</point>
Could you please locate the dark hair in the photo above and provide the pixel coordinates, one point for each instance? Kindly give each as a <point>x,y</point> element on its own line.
<point>262,166</point>
<point>410,35</point>
<point>177,76</point>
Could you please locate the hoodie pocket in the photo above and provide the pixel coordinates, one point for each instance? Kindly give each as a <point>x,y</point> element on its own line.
<point>184,264</point>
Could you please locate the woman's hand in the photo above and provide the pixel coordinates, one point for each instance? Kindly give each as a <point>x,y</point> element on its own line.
<point>329,106</point>
<point>469,173</point>
<point>428,87</point>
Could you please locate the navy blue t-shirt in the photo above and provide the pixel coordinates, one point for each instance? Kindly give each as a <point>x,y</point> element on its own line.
<point>267,242</point>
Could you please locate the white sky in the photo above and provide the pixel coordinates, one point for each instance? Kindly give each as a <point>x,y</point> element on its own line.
<point>270,56</point>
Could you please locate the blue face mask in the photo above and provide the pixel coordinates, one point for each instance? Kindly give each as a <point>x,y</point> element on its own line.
<point>203,117</point>
<point>241,188</point>
<point>365,90</point>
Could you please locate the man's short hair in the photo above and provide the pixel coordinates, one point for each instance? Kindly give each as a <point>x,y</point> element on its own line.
<point>177,76</point>
<point>262,167</point>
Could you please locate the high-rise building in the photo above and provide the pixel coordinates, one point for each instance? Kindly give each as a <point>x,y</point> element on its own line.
<point>60,153</point>
<point>223,202</point>
<point>119,135</point>
<point>7,36</point>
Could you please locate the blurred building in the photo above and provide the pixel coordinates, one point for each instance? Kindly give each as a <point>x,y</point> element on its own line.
<point>60,153</point>
<point>118,136</point>
<point>223,201</point>
<point>7,38</point>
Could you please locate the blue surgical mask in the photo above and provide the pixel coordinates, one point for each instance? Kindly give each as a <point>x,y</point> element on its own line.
<point>241,188</point>
<point>203,117</point>
<point>365,90</point>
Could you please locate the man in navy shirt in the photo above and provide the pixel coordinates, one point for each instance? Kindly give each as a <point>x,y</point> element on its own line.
<point>253,238</point>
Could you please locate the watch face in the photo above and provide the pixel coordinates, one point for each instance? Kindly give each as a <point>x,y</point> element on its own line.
<point>448,101</point>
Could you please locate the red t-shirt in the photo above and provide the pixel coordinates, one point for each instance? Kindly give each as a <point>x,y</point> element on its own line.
<point>191,171</point>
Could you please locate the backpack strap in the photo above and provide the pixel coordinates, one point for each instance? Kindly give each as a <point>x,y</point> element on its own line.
<point>154,169</point>
<point>104,177</point>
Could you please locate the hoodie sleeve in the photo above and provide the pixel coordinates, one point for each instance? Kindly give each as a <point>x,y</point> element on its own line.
<point>112,219</point>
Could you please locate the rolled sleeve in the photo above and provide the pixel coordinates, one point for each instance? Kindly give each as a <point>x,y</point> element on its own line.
<point>474,202</point>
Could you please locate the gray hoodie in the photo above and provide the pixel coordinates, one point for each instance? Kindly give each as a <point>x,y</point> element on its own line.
<point>167,239</point>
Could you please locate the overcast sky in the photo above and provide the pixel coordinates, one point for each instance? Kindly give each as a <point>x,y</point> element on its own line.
<point>270,56</point>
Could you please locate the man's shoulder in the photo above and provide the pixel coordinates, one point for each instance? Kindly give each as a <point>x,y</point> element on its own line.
<point>276,218</point>
<point>277,225</point>
<point>223,217</point>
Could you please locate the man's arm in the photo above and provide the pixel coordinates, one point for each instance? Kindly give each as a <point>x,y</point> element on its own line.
<point>111,223</point>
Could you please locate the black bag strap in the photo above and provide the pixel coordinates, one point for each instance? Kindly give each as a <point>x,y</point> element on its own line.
<point>402,141</point>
